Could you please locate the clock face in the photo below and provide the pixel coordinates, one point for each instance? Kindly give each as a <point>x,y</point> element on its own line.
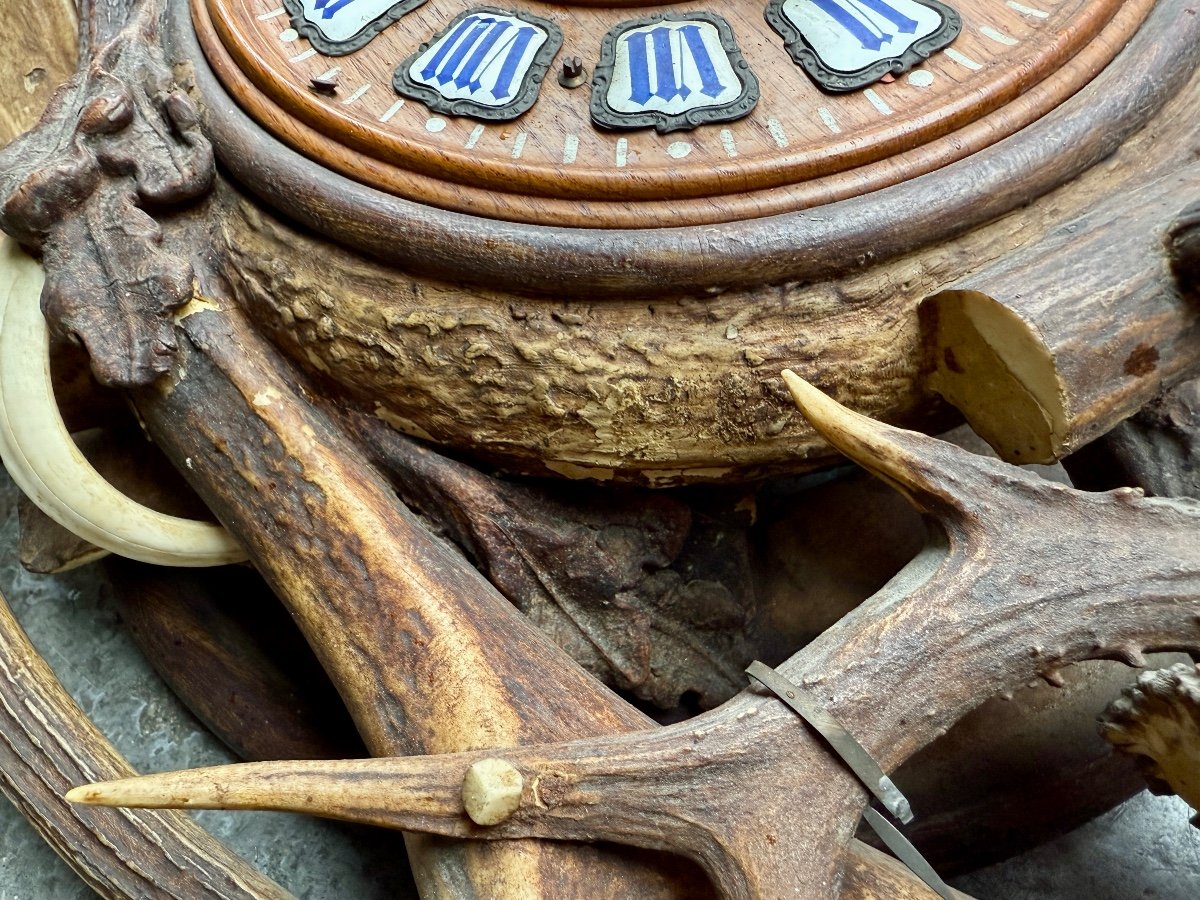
<point>656,115</point>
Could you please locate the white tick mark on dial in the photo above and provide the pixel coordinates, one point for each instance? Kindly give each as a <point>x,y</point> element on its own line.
<point>998,36</point>
<point>391,111</point>
<point>829,121</point>
<point>963,60</point>
<point>775,127</point>
<point>878,102</point>
<point>570,149</point>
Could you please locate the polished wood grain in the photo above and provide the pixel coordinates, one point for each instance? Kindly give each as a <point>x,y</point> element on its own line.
<point>653,355</point>
<point>603,263</point>
<point>799,148</point>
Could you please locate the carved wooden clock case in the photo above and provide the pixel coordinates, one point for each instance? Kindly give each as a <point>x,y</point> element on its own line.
<point>607,298</point>
<point>580,243</point>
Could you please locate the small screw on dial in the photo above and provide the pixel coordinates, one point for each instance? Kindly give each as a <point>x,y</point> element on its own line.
<point>573,73</point>
<point>325,84</point>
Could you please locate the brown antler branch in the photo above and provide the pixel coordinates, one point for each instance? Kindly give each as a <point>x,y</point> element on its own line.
<point>984,610</point>
<point>49,744</point>
<point>118,143</point>
<point>1061,340</point>
<point>647,595</point>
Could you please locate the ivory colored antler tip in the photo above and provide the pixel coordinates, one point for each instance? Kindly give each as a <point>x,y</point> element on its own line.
<point>143,793</point>
<point>797,385</point>
<point>89,794</point>
<point>815,404</point>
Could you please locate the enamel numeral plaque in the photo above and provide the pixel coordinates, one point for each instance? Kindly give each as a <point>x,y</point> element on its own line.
<point>671,73</point>
<point>338,27</point>
<point>488,64</point>
<point>848,44</point>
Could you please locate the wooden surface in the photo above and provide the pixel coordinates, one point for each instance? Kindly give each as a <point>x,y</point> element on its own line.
<point>602,263</point>
<point>671,388</point>
<point>799,148</point>
<point>34,61</point>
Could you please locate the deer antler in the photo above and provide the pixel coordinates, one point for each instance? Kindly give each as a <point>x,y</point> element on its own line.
<point>1028,576</point>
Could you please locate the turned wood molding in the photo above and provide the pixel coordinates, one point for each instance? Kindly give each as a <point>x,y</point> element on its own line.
<point>596,263</point>
<point>1049,59</point>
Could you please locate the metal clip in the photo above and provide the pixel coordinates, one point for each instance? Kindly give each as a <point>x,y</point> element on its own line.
<point>807,707</point>
<point>909,855</point>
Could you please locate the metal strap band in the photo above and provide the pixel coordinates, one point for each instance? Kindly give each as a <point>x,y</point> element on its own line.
<point>908,854</point>
<point>808,708</point>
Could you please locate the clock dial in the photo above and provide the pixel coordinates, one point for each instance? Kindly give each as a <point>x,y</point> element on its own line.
<point>678,138</point>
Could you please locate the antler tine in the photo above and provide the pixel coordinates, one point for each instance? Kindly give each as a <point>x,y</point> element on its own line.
<point>899,457</point>
<point>417,793</point>
<point>632,788</point>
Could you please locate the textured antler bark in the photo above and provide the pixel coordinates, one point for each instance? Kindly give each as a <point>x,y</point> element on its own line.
<point>426,653</point>
<point>647,596</point>
<point>119,137</point>
<point>1029,576</point>
<point>102,20</point>
<point>1157,450</point>
<point>1158,722</point>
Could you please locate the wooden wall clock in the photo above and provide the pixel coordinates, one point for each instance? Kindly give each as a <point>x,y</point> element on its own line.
<point>607,291</point>
<point>779,142</point>
<point>585,242</point>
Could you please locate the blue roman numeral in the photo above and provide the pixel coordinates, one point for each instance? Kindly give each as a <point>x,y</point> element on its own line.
<point>328,9</point>
<point>670,77</point>
<point>480,37</point>
<point>859,23</point>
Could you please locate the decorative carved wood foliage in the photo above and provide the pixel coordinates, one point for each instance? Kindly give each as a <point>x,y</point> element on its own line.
<point>119,139</point>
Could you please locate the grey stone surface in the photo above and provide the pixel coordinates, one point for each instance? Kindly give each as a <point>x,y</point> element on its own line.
<point>1144,849</point>
<point>72,623</point>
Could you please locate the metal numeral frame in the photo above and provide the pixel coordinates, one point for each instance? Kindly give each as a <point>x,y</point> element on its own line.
<point>525,97</point>
<point>836,81</point>
<point>605,116</point>
<point>327,47</point>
